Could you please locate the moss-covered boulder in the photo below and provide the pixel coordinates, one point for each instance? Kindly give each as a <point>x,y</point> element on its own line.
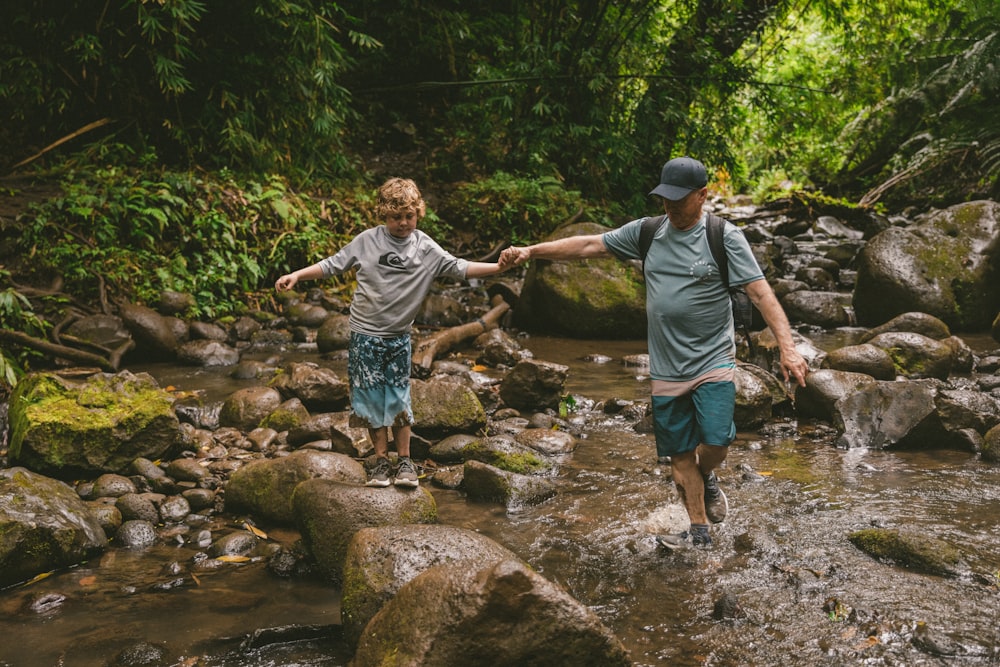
<point>69,429</point>
<point>443,407</point>
<point>265,487</point>
<point>916,551</point>
<point>503,614</point>
<point>991,445</point>
<point>914,355</point>
<point>946,265</point>
<point>484,482</point>
<point>380,561</point>
<point>328,514</point>
<point>593,298</point>
<point>44,525</point>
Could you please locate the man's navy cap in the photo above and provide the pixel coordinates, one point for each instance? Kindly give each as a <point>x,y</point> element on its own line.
<point>679,177</point>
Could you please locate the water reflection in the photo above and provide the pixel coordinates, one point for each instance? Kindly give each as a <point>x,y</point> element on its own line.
<point>803,594</point>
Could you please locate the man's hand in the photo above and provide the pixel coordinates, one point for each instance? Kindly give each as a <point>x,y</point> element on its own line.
<point>514,256</point>
<point>793,364</point>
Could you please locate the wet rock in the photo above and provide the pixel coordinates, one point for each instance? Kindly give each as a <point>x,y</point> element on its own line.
<point>482,481</point>
<point>883,414</point>
<point>442,407</point>
<point>824,389</point>
<point>102,424</point>
<point>152,332</point>
<point>207,331</point>
<point>380,561</point>
<point>141,654</point>
<point>727,607</point>
<point>534,384</point>
<point>916,356</point>
<point>328,513</point>
<point>450,449</point>
<point>246,408</point>
<point>504,614</point>
<point>498,348</point>
<point>441,310</point>
<point>187,470</point>
<point>941,266</point>
<point>822,309</point>
<point>139,506</point>
<point>991,445</point>
<point>252,369</point>
<point>112,486</point>
<point>753,399</point>
<point>547,441</point>
<point>319,388</point>
<point>963,360</point>
<point>505,453</point>
<point>818,279</point>
<point>913,322</point>
<point>44,525</point>
<point>243,329</point>
<point>265,487</point>
<point>334,334</point>
<point>767,353</point>
<point>916,551</point>
<point>136,534</point>
<point>207,353</point>
<point>864,358</point>
<point>596,298</point>
<point>199,499</point>
<point>106,514</point>
<point>174,509</point>
<point>238,543</point>
<point>335,427</point>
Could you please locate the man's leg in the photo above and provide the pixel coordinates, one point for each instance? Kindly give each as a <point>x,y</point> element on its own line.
<point>690,485</point>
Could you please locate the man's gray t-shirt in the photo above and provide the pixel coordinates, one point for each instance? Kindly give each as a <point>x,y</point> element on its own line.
<point>690,328</point>
<point>394,276</point>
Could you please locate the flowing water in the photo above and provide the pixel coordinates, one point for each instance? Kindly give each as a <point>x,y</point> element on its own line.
<point>783,585</point>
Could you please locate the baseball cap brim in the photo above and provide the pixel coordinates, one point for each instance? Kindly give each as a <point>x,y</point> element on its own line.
<point>671,192</point>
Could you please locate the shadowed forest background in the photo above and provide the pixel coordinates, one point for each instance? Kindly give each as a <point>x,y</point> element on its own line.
<point>208,147</point>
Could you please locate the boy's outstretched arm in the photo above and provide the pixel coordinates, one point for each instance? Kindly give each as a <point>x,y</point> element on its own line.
<point>288,281</point>
<point>479,269</point>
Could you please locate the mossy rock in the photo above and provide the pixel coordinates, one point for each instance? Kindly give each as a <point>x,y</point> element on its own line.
<point>69,429</point>
<point>921,553</point>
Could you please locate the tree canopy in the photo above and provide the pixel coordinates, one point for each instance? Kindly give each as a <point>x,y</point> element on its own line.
<point>871,101</point>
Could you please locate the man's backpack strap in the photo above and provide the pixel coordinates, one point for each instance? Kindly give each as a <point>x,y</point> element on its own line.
<point>714,228</point>
<point>646,234</point>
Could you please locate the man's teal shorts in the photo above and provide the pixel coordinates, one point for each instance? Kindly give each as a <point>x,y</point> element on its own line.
<point>704,415</point>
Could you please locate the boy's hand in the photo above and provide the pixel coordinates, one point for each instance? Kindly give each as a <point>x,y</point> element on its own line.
<point>285,282</point>
<point>513,256</point>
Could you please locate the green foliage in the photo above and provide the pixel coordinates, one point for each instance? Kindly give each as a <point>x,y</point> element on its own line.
<point>506,207</point>
<point>254,85</point>
<point>139,233</point>
<point>17,314</point>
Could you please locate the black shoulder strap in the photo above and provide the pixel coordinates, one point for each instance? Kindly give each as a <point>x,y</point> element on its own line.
<point>646,234</point>
<point>714,227</point>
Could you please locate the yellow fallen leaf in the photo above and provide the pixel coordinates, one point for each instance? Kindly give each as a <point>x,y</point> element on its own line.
<point>479,368</point>
<point>233,559</point>
<point>39,577</point>
<point>765,473</point>
<point>87,581</point>
<point>256,531</point>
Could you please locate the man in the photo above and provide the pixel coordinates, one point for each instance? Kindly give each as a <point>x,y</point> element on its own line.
<point>692,346</point>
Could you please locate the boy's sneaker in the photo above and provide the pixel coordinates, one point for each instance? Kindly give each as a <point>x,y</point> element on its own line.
<point>379,475</point>
<point>697,537</point>
<point>406,473</point>
<point>716,505</point>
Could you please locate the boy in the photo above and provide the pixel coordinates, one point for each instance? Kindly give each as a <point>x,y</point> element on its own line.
<point>396,267</point>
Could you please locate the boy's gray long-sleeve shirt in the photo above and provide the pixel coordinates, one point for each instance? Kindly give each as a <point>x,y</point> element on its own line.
<point>394,276</point>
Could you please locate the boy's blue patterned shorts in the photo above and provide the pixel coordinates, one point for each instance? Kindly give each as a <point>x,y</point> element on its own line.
<point>379,372</point>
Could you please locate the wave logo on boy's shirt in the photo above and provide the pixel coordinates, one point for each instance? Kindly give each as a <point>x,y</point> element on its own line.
<point>392,260</point>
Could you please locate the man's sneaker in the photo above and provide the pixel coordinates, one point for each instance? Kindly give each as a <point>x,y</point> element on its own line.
<point>716,505</point>
<point>379,475</point>
<point>697,537</point>
<point>406,473</point>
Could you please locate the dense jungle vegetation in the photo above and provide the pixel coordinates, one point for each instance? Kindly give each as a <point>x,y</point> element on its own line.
<point>208,147</point>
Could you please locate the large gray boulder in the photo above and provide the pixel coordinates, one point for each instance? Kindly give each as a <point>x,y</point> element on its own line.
<point>44,525</point>
<point>380,561</point>
<point>70,429</point>
<point>504,614</point>
<point>320,389</point>
<point>946,265</point>
<point>594,298</point>
<point>265,487</point>
<point>328,514</point>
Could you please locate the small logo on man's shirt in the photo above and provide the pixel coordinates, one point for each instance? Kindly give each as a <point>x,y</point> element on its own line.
<point>392,260</point>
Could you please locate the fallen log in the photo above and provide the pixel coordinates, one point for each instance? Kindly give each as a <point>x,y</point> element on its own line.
<point>55,350</point>
<point>437,344</point>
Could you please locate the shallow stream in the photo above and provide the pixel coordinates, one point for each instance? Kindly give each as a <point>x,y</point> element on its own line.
<point>782,586</point>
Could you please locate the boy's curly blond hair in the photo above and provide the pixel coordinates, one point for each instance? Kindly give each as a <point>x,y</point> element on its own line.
<point>399,194</point>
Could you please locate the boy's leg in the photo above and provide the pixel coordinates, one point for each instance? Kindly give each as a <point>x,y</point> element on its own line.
<point>401,436</point>
<point>380,472</point>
